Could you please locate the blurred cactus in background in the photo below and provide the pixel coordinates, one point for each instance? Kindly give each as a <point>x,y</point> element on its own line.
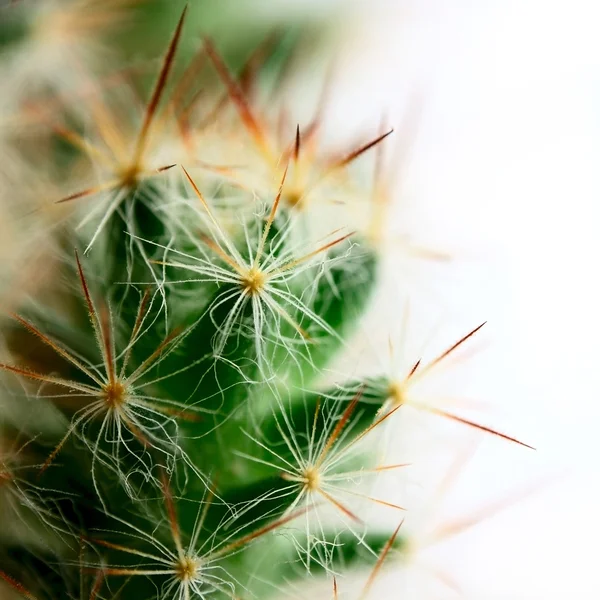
<point>183,261</point>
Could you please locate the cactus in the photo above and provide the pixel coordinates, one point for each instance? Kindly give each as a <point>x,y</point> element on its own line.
<point>166,429</point>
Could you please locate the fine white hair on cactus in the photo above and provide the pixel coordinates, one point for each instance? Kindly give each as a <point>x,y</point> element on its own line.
<point>383,555</point>
<point>118,399</point>
<point>293,591</point>
<point>262,280</point>
<point>23,502</point>
<point>191,566</point>
<point>127,165</point>
<point>321,468</point>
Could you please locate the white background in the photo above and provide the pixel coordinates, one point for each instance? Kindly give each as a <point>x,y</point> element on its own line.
<point>505,174</point>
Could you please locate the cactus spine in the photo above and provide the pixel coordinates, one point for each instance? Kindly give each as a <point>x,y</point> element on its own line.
<point>167,434</point>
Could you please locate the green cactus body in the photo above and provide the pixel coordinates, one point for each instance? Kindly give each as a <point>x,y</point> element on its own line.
<point>184,444</point>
